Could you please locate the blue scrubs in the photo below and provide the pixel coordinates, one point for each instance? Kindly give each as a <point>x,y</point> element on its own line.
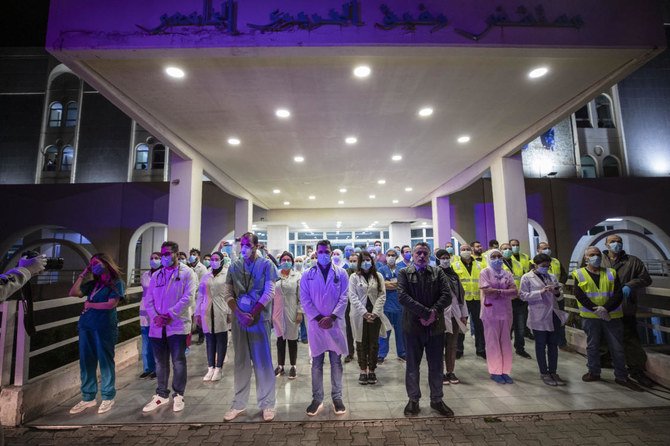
<point>392,310</point>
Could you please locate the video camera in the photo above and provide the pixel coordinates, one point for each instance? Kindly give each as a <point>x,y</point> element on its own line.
<point>53,263</point>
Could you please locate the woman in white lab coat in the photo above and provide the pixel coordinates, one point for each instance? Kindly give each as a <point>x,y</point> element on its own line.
<point>287,314</point>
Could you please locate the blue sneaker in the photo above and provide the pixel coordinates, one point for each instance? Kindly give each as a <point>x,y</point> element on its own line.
<point>498,378</point>
<point>508,379</point>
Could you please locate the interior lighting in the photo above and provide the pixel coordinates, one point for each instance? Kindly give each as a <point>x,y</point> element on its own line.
<point>282,113</point>
<point>312,197</point>
<point>276,191</point>
<point>614,219</point>
<point>381,181</point>
<point>425,112</point>
<point>234,141</point>
<point>396,157</point>
<point>408,189</point>
<point>372,197</point>
<point>395,201</point>
<point>286,203</point>
<point>340,202</point>
<point>538,72</point>
<point>298,159</point>
<point>351,140</point>
<point>463,139</point>
<point>175,72</point>
<point>362,71</point>
<point>343,190</point>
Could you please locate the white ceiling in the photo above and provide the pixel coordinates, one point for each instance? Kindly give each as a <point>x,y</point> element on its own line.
<point>484,93</point>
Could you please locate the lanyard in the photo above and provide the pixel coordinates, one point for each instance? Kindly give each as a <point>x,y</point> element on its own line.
<point>249,282</point>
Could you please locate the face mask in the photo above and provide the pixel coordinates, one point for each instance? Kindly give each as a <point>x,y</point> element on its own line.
<point>323,259</point>
<point>298,266</point>
<point>308,264</point>
<point>595,261</point>
<point>228,249</point>
<point>286,266</point>
<point>226,260</point>
<point>354,265</point>
<point>507,253</point>
<point>98,269</point>
<point>445,263</point>
<point>366,265</point>
<point>372,254</point>
<point>167,261</point>
<point>154,263</point>
<point>246,252</point>
<point>348,252</point>
<point>378,249</point>
<point>337,259</point>
<point>407,256</point>
<point>546,251</point>
<point>496,264</point>
<point>192,259</point>
<point>390,260</point>
<point>207,263</point>
<point>467,255</point>
<point>450,250</point>
<point>216,264</point>
<point>182,261</point>
<point>515,249</point>
<point>616,247</point>
<point>542,269</point>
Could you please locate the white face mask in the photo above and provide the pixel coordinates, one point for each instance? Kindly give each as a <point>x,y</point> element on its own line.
<point>444,263</point>
<point>336,259</point>
<point>466,254</point>
<point>390,260</point>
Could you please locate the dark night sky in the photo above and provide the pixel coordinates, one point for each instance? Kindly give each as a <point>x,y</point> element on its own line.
<point>23,23</point>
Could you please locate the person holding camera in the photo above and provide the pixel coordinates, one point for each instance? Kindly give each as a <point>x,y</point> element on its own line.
<point>14,279</point>
<point>98,330</point>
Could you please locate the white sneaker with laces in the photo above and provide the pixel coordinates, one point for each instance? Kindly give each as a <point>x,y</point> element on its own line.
<point>217,374</point>
<point>155,403</point>
<point>232,414</point>
<point>208,376</point>
<point>178,403</point>
<point>82,406</point>
<point>105,406</point>
<point>269,414</point>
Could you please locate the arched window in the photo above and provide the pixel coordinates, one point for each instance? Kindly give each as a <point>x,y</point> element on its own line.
<point>158,157</point>
<point>611,167</point>
<point>583,118</point>
<point>66,158</point>
<point>142,157</point>
<point>50,159</point>
<point>71,114</point>
<point>588,167</point>
<point>605,114</point>
<point>55,114</point>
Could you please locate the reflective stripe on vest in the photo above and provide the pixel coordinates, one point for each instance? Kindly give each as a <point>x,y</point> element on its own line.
<point>470,281</point>
<point>599,295</point>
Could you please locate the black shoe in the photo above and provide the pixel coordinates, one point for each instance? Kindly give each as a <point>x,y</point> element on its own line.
<point>445,379</point>
<point>524,354</point>
<point>292,373</point>
<point>442,408</point>
<point>372,378</point>
<point>348,358</point>
<point>304,341</point>
<point>402,358</point>
<point>590,377</point>
<point>643,380</point>
<point>380,360</point>
<point>279,371</point>
<point>630,384</point>
<point>314,408</point>
<point>453,379</point>
<point>412,408</point>
<point>482,355</point>
<point>145,375</point>
<point>199,341</point>
<point>152,375</point>
<point>338,405</point>
<point>459,355</point>
<point>363,379</point>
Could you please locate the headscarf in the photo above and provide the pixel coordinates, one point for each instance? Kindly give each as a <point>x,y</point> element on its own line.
<point>488,258</point>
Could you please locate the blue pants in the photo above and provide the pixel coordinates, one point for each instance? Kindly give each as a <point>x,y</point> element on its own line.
<point>166,348</point>
<point>148,361</point>
<point>395,318</point>
<point>335,376</point>
<point>546,348</point>
<point>97,347</point>
<point>303,331</point>
<point>612,331</point>
<point>434,347</point>
<point>217,345</point>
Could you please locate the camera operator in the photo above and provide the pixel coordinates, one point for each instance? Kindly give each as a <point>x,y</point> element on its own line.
<point>14,279</point>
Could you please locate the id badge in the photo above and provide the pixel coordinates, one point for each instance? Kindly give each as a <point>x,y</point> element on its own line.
<point>245,303</point>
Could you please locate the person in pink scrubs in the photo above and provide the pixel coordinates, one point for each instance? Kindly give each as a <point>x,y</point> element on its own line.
<point>497,291</point>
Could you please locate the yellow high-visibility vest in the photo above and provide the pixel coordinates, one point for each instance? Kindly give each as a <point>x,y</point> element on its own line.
<point>598,294</point>
<point>469,280</point>
<point>517,271</point>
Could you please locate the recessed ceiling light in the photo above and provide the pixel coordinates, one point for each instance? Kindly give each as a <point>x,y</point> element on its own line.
<point>312,197</point>
<point>375,222</point>
<point>396,157</point>
<point>362,71</point>
<point>372,197</point>
<point>234,141</point>
<point>538,72</point>
<point>395,201</point>
<point>351,140</point>
<point>408,189</point>
<point>343,190</point>
<point>175,72</point>
<point>304,223</point>
<point>298,159</point>
<point>286,203</point>
<point>338,223</point>
<point>282,113</point>
<point>463,139</point>
<point>275,191</point>
<point>381,181</point>
<point>340,202</point>
<point>425,112</point>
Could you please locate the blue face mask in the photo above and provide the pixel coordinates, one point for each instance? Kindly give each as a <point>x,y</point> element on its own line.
<point>407,256</point>
<point>216,264</point>
<point>286,266</point>
<point>98,269</point>
<point>595,261</point>
<point>366,265</point>
<point>298,266</point>
<point>192,259</point>
<point>450,250</point>
<point>154,263</point>
<point>167,261</point>
<point>228,249</point>
<point>323,259</point>
<point>515,249</point>
<point>542,269</point>
<point>496,264</point>
<point>616,247</point>
<point>546,251</point>
<point>207,263</point>
<point>507,253</point>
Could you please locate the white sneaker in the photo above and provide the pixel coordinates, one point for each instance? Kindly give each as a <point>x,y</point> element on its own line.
<point>178,403</point>
<point>232,414</point>
<point>105,406</point>
<point>269,414</point>
<point>155,403</point>
<point>217,374</point>
<point>208,376</point>
<point>82,406</point>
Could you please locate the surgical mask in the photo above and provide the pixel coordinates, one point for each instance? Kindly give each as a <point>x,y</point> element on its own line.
<point>246,252</point>
<point>546,251</point>
<point>323,259</point>
<point>298,266</point>
<point>407,256</point>
<point>348,253</point>
<point>378,249</point>
<point>366,265</point>
<point>595,261</point>
<point>226,260</point>
<point>515,249</point>
<point>354,265</point>
<point>286,266</point>
<point>450,250</point>
<point>228,249</point>
<point>507,253</point>
<point>154,263</point>
<point>337,259</point>
<point>182,261</point>
<point>192,259</point>
<point>98,269</point>
<point>496,264</point>
<point>616,247</point>
<point>445,263</point>
<point>167,261</point>
<point>373,255</point>
<point>390,260</point>
<point>543,269</point>
<point>216,264</point>
<point>308,264</point>
<point>467,255</point>
<point>207,263</point>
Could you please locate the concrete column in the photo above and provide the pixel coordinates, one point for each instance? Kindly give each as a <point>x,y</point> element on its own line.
<point>185,213</point>
<point>441,221</point>
<point>509,201</point>
<point>277,239</point>
<point>244,216</point>
<point>400,234</point>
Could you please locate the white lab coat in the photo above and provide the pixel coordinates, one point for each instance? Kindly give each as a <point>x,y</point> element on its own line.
<point>542,305</point>
<point>319,297</point>
<point>200,270</point>
<point>359,291</point>
<point>145,281</point>
<point>210,302</point>
<point>286,306</point>
<point>171,293</point>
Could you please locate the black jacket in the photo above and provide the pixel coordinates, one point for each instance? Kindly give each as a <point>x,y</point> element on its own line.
<point>419,297</point>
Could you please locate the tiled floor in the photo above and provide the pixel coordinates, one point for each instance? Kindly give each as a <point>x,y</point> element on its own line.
<point>476,395</point>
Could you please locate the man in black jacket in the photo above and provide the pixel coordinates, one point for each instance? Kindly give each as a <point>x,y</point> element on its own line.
<point>423,291</point>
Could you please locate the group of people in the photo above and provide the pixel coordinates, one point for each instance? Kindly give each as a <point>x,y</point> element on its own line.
<point>351,303</point>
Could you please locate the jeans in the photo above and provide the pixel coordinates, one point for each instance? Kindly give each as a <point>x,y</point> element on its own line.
<point>335,376</point>
<point>434,348</point>
<point>636,357</point>
<point>292,350</point>
<point>612,331</point>
<point>546,348</point>
<point>350,334</point>
<point>166,347</point>
<point>148,361</point>
<point>217,345</point>
<point>450,346</point>
<point>368,349</point>
<point>97,347</point>
<point>474,308</point>
<point>302,335</point>
<point>395,318</point>
<point>519,318</point>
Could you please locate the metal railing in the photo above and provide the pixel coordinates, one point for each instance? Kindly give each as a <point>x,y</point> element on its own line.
<point>654,266</point>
